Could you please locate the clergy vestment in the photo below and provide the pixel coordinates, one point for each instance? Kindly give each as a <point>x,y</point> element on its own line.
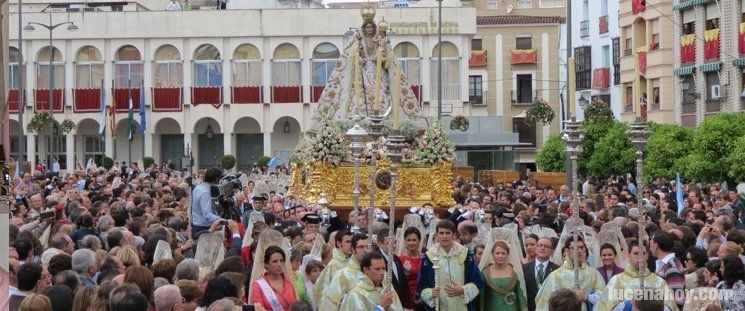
<point>366,296</point>
<point>457,267</point>
<point>340,285</point>
<point>628,281</point>
<point>590,281</point>
<point>338,262</point>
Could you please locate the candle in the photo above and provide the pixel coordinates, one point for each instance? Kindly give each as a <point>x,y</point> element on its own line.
<point>357,94</point>
<point>396,94</point>
<point>378,71</point>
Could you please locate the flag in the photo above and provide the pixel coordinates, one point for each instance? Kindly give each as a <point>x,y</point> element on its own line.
<point>112,118</point>
<point>142,109</point>
<point>130,121</point>
<point>102,121</point>
<point>679,193</point>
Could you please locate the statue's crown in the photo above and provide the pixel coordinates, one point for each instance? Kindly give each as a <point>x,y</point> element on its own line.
<point>367,12</point>
<point>383,25</point>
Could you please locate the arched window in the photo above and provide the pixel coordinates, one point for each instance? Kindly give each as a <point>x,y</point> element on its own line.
<point>324,59</point>
<point>247,66</point>
<point>15,68</point>
<point>50,77</point>
<point>450,72</point>
<point>128,68</point>
<point>410,60</point>
<point>286,66</point>
<point>207,66</point>
<point>168,70</point>
<point>88,68</point>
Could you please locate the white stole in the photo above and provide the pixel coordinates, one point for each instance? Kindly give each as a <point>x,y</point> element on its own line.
<point>269,295</point>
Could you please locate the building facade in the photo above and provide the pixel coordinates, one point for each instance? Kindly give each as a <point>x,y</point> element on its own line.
<point>596,50</point>
<point>516,58</point>
<point>647,83</point>
<point>709,45</point>
<point>241,82</point>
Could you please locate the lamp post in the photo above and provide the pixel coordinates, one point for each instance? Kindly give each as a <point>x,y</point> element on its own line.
<point>51,27</point>
<point>639,134</point>
<point>356,134</point>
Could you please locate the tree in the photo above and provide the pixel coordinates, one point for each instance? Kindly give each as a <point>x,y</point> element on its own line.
<point>613,153</point>
<point>736,160</point>
<point>667,144</point>
<point>227,162</point>
<point>592,132</point>
<point>107,163</point>
<point>147,162</point>
<point>552,156</point>
<point>263,161</point>
<point>712,145</point>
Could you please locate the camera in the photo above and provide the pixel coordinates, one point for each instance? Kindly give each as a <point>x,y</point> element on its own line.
<point>222,194</point>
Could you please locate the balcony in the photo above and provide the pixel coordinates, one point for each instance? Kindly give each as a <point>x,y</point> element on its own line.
<point>529,56</point>
<point>687,49</point>
<point>167,99</point>
<point>584,29</point>
<point>477,59</point>
<point>206,95</point>
<point>86,100</point>
<point>523,99</point>
<point>547,4</point>
<point>13,101</point>
<point>628,107</point>
<point>638,6</point>
<point>603,25</point>
<point>42,99</point>
<point>315,92</point>
<point>601,78</point>
<point>247,94</point>
<point>287,94</point>
<point>449,92</point>
<point>711,45</point>
<point>122,97</point>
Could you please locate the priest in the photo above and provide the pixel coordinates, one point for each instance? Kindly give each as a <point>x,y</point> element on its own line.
<point>458,278</point>
<point>590,285</point>
<point>368,293</point>
<point>346,278</point>
<point>341,253</point>
<point>624,287</point>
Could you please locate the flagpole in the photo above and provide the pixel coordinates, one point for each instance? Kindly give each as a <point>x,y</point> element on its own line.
<point>142,120</point>
<point>113,118</point>
<point>105,119</point>
<point>129,121</point>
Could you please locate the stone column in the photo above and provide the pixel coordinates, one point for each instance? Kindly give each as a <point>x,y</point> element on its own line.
<point>31,147</point>
<point>268,143</point>
<point>70,151</point>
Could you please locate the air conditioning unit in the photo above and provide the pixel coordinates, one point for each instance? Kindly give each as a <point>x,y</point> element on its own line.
<point>716,91</point>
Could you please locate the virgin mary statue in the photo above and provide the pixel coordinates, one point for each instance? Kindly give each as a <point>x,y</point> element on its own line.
<point>360,84</point>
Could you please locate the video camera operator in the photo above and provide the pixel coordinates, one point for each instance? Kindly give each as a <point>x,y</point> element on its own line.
<point>202,213</point>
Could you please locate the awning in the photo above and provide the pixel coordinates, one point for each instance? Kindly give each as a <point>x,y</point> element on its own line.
<point>690,3</point>
<point>740,62</point>
<point>710,67</point>
<point>684,71</point>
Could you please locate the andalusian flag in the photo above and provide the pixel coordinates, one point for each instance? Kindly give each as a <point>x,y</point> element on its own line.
<point>130,121</point>
<point>112,118</point>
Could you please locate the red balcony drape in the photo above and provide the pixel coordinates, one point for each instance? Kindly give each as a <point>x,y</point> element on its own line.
<point>643,62</point>
<point>167,99</point>
<point>41,99</point>
<point>477,59</point>
<point>603,24</point>
<point>13,101</point>
<point>416,89</point>
<point>711,44</point>
<point>316,92</point>
<point>741,38</point>
<point>638,6</point>
<point>287,94</point>
<point>601,78</point>
<point>247,95</point>
<point>122,96</point>
<point>687,49</point>
<point>529,56</point>
<point>206,95</point>
<point>87,100</point>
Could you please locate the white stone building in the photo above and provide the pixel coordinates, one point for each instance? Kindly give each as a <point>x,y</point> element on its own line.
<point>241,82</point>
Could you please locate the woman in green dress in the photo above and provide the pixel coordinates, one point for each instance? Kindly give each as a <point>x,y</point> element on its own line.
<point>503,291</point>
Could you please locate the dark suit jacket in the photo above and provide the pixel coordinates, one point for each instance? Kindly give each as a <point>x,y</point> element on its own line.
<point>399,283</point>
<point>531,286</point>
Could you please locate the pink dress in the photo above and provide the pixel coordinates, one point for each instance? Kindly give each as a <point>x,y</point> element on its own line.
<point>286,297</point>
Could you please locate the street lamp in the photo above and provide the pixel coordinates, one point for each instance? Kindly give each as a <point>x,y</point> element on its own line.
<point>51,27</point>
<point>583,102</point>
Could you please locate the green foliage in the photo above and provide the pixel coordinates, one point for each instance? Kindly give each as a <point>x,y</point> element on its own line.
<point>599,111</point>
<point>263,161</point>
<point>539,111</point>
<point>147,162</point>
<point>552,157</point>
<point>613,153</point>
<point>107,162</point>
<point>736,160</point>
<point>39,121</point>
<point>592,132</point>
<point>714,140</point>
<point>227,162</point>
<point>667,144</point>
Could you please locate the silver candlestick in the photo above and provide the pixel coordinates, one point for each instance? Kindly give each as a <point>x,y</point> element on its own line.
<point>356,134</point>
<point>376,131</point>
<point>395,145</point>
<point>436,267</point>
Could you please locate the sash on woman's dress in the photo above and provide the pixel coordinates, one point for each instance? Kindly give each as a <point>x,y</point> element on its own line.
<point>269,295</point>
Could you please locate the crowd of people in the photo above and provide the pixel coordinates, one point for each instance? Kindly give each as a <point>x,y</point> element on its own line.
<point>131,239</point>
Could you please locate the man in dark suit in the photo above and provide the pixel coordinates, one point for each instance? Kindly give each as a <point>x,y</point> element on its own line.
<point>399,275</point>
<point>537,271</point>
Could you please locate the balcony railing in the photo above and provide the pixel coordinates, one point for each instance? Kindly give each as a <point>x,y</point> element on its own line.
<point>247,94</point>
<point>523,101</point>
<point>545,4</point>
<point>167,98</point>
<point>584,29</point>
<point>628,107</point>
<point>41,99</point>
<point>603,24</point>
<point>86,100</point>
<point>449,92</point>
<point>524,4</point>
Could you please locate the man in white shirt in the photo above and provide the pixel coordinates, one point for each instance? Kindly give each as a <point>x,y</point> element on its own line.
<point>55,166</point>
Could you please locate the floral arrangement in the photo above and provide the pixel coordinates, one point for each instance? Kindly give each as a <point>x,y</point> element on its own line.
<point>539,111</point>
<point>598,111</point>
<point>430,148</point>
<point>327,145</point>
<point>369,152</point>
<point>459,123</point>
<point>67,126</point>
<point>39,121</point>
